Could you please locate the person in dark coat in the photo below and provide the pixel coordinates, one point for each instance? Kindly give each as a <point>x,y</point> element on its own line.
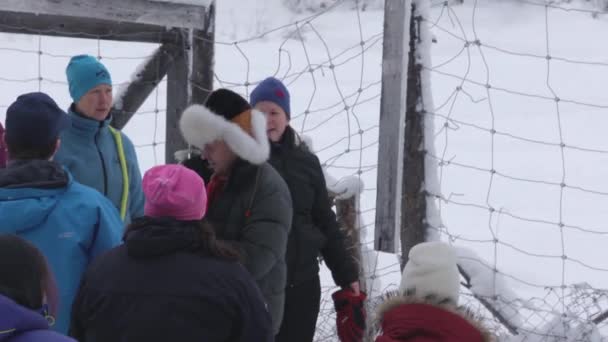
<point>171,280</point>
<point>315,231</point>
<point>249,203</point>
<point>28,294</point>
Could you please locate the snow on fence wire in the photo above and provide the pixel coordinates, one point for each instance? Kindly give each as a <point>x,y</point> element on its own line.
<point>519,143</point>
<point>520,155</point>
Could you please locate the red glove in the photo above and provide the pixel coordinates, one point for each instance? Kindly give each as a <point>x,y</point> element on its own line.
<point>350,315</point>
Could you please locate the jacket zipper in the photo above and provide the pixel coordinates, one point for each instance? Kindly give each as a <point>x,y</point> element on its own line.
<point>290,270</point>
<point>103,163</point>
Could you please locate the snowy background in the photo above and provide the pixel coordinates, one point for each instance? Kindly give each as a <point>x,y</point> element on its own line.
<point>520,116</point>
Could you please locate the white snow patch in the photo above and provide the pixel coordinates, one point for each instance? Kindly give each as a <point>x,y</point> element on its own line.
<point>490,285</point>
<point>122,88</point>
<point>561,329</point>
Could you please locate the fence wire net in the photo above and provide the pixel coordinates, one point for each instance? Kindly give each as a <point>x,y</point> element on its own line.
<point>520,166</point>
<point>519,137</point>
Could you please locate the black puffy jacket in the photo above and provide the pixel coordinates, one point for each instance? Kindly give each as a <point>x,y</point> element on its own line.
<point>160,286</point>
<point>314,230</point>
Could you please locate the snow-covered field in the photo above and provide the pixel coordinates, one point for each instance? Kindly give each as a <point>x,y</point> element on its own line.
<point>529,206</point>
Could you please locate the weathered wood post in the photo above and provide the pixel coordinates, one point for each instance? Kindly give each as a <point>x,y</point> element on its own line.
<point>392,121</point>
<point>413,205</point>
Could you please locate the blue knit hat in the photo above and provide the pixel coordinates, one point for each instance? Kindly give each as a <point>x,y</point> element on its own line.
<point>85,73</point>
<point>34,120</point>
<point>274,91</point>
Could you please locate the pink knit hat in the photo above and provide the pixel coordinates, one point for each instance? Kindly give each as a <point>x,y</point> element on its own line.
<point>174,191</point>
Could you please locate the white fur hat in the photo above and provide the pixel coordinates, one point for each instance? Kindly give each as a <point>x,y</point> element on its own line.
<point>431,270</point>
<point>227,116</point>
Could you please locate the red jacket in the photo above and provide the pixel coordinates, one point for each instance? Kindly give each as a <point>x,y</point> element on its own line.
<point>420,322</point>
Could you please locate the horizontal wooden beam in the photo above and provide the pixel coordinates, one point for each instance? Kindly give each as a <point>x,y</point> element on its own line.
<point>63,26</point>
<point>155,13</point>
<point>203,51</point>
<point>133,95</point>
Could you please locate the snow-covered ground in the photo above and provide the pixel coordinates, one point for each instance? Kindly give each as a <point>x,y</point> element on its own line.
<point>520,219</point>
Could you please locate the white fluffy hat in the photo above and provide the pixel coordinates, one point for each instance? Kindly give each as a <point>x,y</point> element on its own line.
<point>227,116</point>
<point>431,270</point>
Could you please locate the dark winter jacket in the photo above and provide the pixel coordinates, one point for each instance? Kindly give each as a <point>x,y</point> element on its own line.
<point>160,286</point>
<point>20,324</point>
<point>254,213</point>
<point>315,230</point>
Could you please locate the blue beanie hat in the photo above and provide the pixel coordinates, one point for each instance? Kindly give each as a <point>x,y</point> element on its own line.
<point>34,120</point>
<point>85,73</point>
<point>274,91</point>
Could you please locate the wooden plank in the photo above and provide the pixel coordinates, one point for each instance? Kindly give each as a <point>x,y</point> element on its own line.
<point>392,121</point>
<point>64,26</point>
<point>413,205</point>
<point>203,59</point>
<point>163,14</point>
<point>178,98</point>
<point>133,95</point>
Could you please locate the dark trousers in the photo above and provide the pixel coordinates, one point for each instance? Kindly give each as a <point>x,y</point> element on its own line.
<point>302,303</point>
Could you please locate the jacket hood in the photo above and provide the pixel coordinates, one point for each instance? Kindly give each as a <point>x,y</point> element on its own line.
<point>29,192</point>
<point>16,319</point>
<point>412,319</point>
<point>156,237</point>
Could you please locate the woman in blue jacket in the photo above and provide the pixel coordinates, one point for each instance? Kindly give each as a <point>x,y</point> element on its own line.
<point>28,295</point>
<point>96,154</point>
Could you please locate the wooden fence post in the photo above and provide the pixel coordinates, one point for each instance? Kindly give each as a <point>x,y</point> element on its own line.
<point>392,121</point>
<point>413,204</point>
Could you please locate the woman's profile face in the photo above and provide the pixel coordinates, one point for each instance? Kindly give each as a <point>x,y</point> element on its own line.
<point>276,119</point>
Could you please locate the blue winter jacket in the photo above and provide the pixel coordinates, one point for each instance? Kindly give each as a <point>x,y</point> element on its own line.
<point>20,324</point>
<point>70,223</point>
<point>88,150</point>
